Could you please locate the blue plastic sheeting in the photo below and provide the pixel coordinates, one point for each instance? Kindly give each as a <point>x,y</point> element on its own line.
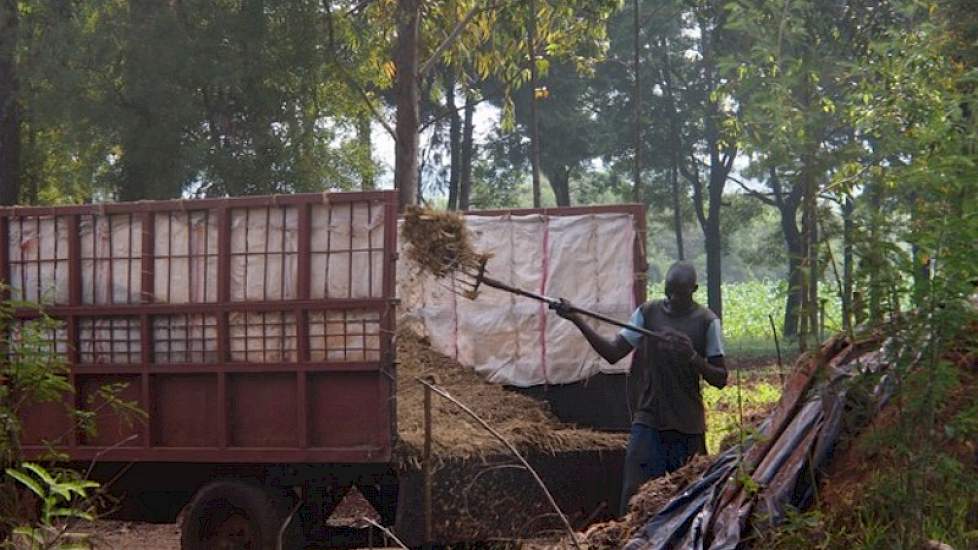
<point>715,512</point>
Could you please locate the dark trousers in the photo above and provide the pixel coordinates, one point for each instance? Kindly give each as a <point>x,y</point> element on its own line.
<point>653,453</point>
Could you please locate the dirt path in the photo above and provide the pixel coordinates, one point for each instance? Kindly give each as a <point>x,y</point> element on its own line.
<point>125,535</point>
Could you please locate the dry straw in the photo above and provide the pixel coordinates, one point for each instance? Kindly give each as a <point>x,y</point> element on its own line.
<point>522,420</point>
<point>439,243</point>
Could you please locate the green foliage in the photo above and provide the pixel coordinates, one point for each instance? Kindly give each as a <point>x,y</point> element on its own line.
<point>145,100</point>
<point>33,371</point>
<point>746,327</point>
<point>62,498</point>
<point>731,411</point>
<point>32,374</point>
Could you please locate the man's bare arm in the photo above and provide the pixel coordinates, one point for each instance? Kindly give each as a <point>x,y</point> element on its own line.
<point>611,350</point>
<point>713,370</point>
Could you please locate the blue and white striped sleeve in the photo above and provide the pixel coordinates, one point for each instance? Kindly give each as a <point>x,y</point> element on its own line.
<point>633,337</point>
<point>714,339</point>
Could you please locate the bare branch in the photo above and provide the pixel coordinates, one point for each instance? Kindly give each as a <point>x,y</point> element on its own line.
<point>512,448</point>
<point>386,532</point>
<point>728,160</point>
<point>697,184</point>
<point>476,10</point>
<point>776,186</point>
<point>448,112</point>
<point>752,192</point>
<point>357,8</point>
<point>285,524</point>
<point>348,78</point>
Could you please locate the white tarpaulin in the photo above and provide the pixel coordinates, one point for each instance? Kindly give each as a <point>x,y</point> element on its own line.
<point>588,259</point>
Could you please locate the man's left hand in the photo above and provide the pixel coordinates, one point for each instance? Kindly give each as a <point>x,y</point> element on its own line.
<point>680,344</point>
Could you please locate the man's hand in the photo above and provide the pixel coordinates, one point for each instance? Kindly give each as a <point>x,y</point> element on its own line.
<point>565,310</point>
<point>678,344</point>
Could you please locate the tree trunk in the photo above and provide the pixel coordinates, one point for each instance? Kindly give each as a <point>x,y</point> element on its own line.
<point>809,223</point>
<point>874,259</point>
<point>407,102</point>
<point>847,238</point>
<point>9,108</point>
<point>637,110</point>
<point>674,148</point>
<point>151,145</point>
<point>366,142</point>
<point>919,257</point>
<point>677,215</point>
<point>560,183</point>
<point>794,246</point>
<point>714,268</point>
<point>531,32</point>
<point>465,178</point>
<point>721,162</point>
<point>815,321</point>
<point>454,139</point>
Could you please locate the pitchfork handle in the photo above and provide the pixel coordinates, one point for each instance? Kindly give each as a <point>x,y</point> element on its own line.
<point>555,302</point>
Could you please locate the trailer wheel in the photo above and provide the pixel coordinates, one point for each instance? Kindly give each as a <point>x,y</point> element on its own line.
<point>231,515</point>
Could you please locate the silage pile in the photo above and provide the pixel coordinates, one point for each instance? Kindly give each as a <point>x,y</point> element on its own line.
<point>525,422</point>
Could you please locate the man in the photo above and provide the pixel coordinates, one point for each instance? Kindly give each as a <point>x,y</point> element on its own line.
<point>669,422</point>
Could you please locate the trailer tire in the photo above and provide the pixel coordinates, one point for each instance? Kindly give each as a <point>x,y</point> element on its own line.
<point>226,515</point>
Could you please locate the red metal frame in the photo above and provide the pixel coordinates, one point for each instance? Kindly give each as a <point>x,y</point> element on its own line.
<point>363,379</point>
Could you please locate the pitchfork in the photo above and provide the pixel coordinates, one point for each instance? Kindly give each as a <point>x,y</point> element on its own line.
<point>479,278</point>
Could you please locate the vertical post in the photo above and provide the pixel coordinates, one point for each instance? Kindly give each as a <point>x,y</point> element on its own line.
<point>777,346</point>
<point>637,191</point>
<point>639,260</point>
<point>4,271</point>
<point>388,321</point>
<point>821,320</point>
<point>74,299</point>
<point>426,466</point>
<point>303,265</point>
<point>4,257</point>
<point>223,334</point>
<point>146,287</point>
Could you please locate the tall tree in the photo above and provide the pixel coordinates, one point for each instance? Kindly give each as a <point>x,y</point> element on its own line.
<point>531,47</point>
<point>645,37</point>
<point>407,97</point>
<point>788,85</point>
<point>145,99</point>
<point>467,154</point>
<point>564,144</point>
<point>485,40</point>
<point>709,153</point>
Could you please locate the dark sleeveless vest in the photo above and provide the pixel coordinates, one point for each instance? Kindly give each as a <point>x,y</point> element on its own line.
<point>666,388</point>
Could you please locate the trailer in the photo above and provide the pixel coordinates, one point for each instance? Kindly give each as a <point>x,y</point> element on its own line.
<point>255,332</point>
<point>257,335</point>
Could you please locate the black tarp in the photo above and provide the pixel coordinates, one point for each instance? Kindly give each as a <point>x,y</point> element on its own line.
<point>784,461</point>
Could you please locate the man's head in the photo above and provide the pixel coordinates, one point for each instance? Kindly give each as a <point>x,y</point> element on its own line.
<point>680,286</point>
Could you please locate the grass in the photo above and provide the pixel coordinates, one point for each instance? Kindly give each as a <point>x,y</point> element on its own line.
<point>746,310</point>
<point>736,409</point>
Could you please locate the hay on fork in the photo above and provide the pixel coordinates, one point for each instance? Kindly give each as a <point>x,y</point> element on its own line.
<point>439,242</point>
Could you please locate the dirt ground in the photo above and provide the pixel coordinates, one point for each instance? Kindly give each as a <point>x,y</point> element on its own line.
<point>127,535</point>
<point>124,535</point>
